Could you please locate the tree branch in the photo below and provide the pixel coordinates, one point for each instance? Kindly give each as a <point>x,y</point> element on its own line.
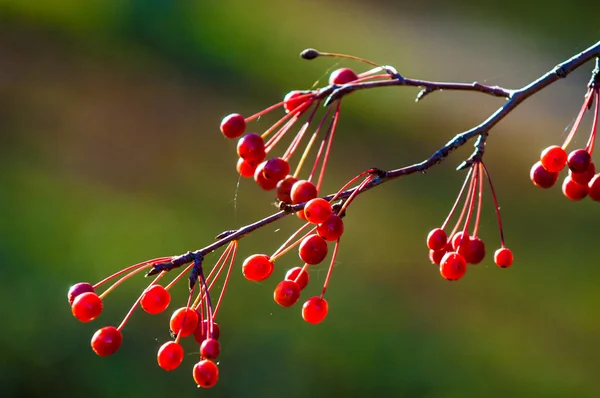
<point>332,92</point>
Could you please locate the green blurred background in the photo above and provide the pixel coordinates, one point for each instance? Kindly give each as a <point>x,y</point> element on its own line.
<point>111,154</point>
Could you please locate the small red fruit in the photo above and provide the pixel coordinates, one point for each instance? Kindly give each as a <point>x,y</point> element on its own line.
<point>303,191</point>
<point>553,159</point>
<point>585,177</point>
<point>503,257</point>
<point>541,177</point>
<point>317,210</point>
<point>342,76</point>
<point>436,255</point>
<point>297,275</point>
<point>155,300</point>
<point>251,147</point>
<point>170,355</point>
<point>315,310</point>
<point>453,266</point>
<point>292,100</point>
<point>475,250</point>
<point>77,289</point>
<point>276,169</point>
<point>87,307</point>
<point>184,320</point>
<point>436,240</point>
<point>246,168</point>
<point>233,126</point>
<point>460,240</point>
<point>594,188</point>
<point>573,190</point>
<point>579,160</point>
<point>203,331</point>
<point>210,349</point>
<point>257,267</point>
<point>206,373</point>
<point>106,341</point>
<point>331,229</point>
<point>313,249</point>
<point>286,293</point>
<point>261,180</point>
<point>284,189</point>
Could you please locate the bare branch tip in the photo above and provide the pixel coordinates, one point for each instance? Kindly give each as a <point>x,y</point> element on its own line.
<point>309,53</point>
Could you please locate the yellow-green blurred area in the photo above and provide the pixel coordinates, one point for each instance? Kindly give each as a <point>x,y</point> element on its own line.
<point>111,154</point>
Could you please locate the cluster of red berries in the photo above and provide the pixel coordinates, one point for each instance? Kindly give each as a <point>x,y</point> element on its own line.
<point>582,179</point>
<point>453,252</point>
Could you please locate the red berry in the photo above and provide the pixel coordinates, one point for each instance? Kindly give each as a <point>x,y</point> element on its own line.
<point>257,267</point>
<point>297,275</point>
<point>594,188</point>
<point>206,373</point>
<point>106,341</point>
<point>251,147</point>
<point>436,240</point>
<point>284,189</point>
<point>342,76</point>
<point>460,240</point>
<point>453,266</point>
<point>317,210</point>
<point>573,190</point>
<point>170,355</point>
<point>210,349</point>
<point>579,161</point>
<point>184,320</point>
<point>331,229</point>
<point>77,289</point>
<point>436,255</point>
<point>314,310</point>
<point>87,307</point>
<point>286,293</point>
<point>203,331</point>
<point>585,177</point>
<point>246,168</point>
<point>553,158</point>
<point>541,177</point>
<point>313,249</point>
<point>276,169</point>
<point>503,257</point>
<point>261,180</point>
<point>475,250</point>
<point>303,191</point>
<point>232,126</point>
<point>155,300</point>
<point>291,100</point>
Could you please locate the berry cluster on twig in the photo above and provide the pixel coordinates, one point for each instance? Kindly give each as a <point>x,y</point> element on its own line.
<point>298,194</point>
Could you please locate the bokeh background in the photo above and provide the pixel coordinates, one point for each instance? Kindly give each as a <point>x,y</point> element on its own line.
<point>111,154</point>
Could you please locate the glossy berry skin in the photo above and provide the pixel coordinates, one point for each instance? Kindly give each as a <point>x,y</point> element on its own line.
<point>594,188</point>
<point>155,300</point>
<point>184,321</point>
<point>579,160</point>
<point>251,147</point>
<point>436,256</point>
<point>553,159</point>
<point>292,102</point>
<point>541,177</point>
<point>475,250</point>
<point>206,373</point>
<point>77,289</point>
<point>170,355</point>
<point>585,177</point>
<point>246,168</point>
<point>342,76</point>
<point>276,169</point>
<point>233,126</point>
<point>315,310</point>
<point>202,330</point>
<point>261,180</point>
<point>257,267</point>
<point>106,341</point>
<point>573,190</point>
<point>87,307</point>
<point>453,266</point>
<point>436,240</point>
<point>286,293</point>
<point>303,191</point>
<point>297,275</point>
<point>284,189</point>
<point>331,229</point>
<point>460,240</point>
<point>317,210</point>
<point>503,257</point>
<point>313,249</point>
<point>210,349</point>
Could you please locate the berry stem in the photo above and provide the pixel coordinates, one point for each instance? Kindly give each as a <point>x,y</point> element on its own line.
<point>457,201</point>
<point>328,277</point>
<point>474,184</point>
<point>479,199</point>
<point>295,114</point>
<point>135,304</point>
<point>142,264</point>
<point>310,143</point>
<point>227,276</point>
<point>298,138</point>
<point>495,203</point>
<point>465,205</point>
<point>591,142</point>
<point>328,150</point>
<point>352,57</point>
<point>577,122</point>
<point>273,107</point>
<point>283,249</point>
